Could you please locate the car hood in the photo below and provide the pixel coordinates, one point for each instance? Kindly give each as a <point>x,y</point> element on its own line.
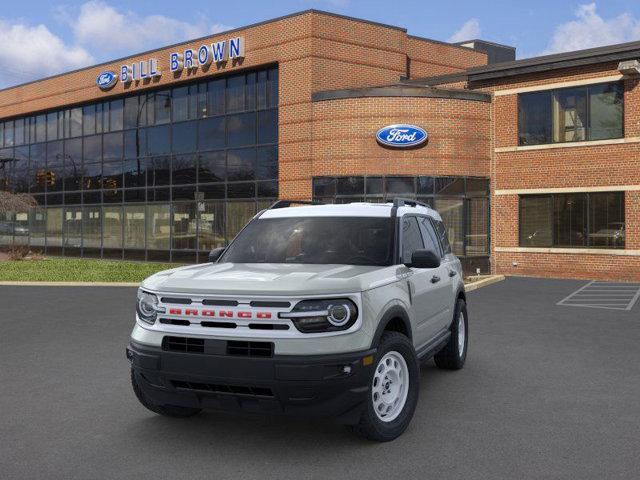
<point>269,279</point>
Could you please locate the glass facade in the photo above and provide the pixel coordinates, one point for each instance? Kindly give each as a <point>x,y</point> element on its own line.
<point>161,175</point>
<point>573,220</point>
<point>463,202</point>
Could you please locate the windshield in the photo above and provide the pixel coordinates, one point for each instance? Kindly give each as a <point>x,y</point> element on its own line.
<point>320,240</point>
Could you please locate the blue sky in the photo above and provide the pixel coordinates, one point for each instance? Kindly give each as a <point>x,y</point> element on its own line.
<point>43,37</point>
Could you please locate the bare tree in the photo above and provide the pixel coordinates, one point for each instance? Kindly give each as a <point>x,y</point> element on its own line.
<point>16,202</point>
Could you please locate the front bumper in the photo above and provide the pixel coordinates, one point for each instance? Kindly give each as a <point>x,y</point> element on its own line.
<point>319,385</point>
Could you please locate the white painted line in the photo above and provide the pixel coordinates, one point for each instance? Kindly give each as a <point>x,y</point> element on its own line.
<point>612,296</point>
<point>579,290</point>
<point>634,300</point>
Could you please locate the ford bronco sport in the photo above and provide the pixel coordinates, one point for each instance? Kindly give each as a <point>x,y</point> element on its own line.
<point>312,309</point>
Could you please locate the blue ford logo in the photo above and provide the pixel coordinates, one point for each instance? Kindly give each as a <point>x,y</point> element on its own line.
<point>106,80</point>
<point>401,136</point>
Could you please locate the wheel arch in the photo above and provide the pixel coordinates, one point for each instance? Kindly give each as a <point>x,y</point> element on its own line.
<point>395,319</point>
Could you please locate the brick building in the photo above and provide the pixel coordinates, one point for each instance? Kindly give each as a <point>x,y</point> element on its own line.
<point>166,154</point>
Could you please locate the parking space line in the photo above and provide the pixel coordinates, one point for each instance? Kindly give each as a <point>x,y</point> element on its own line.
<point>595,294</point>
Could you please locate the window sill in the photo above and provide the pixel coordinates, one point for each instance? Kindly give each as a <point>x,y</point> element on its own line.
<point>547,146</point>
<point>570,251</point>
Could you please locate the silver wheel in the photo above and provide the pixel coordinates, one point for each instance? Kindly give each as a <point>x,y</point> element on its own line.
<point>462,333</point>
<point>390,386</point>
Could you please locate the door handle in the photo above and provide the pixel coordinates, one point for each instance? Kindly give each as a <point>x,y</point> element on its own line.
<point>435,279</point>
<point>452,273</point>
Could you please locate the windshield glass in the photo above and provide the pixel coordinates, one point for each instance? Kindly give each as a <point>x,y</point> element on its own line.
<point>320,240</point>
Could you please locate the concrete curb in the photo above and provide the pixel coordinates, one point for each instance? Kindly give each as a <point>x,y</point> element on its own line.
<point>483,283</point>
<point>70,284</point>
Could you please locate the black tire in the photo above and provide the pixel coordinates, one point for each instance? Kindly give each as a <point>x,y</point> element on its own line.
<point>166,410</point>
<point>370,426</point>
<point>450,357</point>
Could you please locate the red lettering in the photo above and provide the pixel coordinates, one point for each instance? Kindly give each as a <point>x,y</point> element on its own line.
<point>208,313</point>
<point>263,315</point>
<point>175,311</point>
<point>244,314</point>
<point>227,313</point>
<point>190,311</point>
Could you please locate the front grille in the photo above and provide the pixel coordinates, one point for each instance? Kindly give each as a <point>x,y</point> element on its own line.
<point>183,344</point>
<point>249,349</point>
<point>228,389</point>
<point>176,300</point>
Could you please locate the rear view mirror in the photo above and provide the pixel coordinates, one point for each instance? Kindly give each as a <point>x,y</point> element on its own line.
<point>215,254</point>
<point>424,259</point>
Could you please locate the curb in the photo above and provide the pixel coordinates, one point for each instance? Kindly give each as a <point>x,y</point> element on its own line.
<point>70,284</point>
<point>484,283</point>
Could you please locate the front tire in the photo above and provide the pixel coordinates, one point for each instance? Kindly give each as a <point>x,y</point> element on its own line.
<point>166,410</point>
<point>454,354</point>
<point>393,392</point>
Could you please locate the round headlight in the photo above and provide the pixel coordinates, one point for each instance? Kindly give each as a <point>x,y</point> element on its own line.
<point>147,306</point>
<point>338,314</point>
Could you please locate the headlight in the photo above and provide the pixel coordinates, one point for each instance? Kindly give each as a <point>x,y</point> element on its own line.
<point>314,316</point>
<point>147,307</point>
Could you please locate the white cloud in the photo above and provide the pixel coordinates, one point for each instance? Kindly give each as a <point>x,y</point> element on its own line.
<point>591,30</point>
<point>104,29</point>
<point>469,31</point>
<point>28,52</point>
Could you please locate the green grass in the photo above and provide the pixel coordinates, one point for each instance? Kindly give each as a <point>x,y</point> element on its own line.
<point>78,270</point>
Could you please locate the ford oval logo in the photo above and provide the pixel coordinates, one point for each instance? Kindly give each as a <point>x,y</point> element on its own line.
<point>106,80</point>
<point>401,136</point>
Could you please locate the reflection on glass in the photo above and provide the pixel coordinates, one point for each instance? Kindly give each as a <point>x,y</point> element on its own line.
<point>184,226</point>
<point>73,227</point>
<point>452,213</point>
<point>158,227</point>
<point>134,226</point>
<point>112,237</point>
<point>92,227</point>
<point>210,225</point>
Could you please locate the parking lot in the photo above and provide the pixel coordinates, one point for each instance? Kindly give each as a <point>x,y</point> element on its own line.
<point>548,392</point>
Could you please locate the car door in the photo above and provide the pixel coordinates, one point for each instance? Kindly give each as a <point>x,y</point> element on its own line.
<point>422,283</point>
<point>449,267</point>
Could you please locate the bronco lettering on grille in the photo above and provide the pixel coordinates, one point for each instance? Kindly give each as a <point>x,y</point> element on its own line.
<point>192,312</point>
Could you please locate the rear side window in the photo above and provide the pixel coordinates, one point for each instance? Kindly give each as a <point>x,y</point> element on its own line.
<point>411,238</point>
<point>429,236</point>
<point>442,236</point>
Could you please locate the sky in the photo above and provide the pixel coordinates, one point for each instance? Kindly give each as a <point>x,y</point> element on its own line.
<point>39,38</point>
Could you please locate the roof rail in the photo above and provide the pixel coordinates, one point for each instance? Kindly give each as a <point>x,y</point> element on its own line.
<point>288,203</point>
<point>401,202</point>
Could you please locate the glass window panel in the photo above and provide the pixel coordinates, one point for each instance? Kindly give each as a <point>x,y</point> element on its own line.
<point>267,168</point>
<point>261,89</point>
<point>21,169</point>
<point>92,149</point>
<point>159,140</point>
<point>72,164</point>
<point>112,235</point>
<point>37,226</point>
<point>38,176</point>
<point>324,187</point>
<point>158,227</point>
<point>211,225</point>
<point>92,176</point>
<point>211,133</point>
<point>452,213</point>
<point>111,175</point>
<point>570,217</point>
<point>159,194</point>
<point>536,217</point>
<point>374,186</point>
<point>212,191</point>
<point>273,88</point>
<point>8,134</point>
<point>184,137</point>
<point>135,195</point>
<point>238,214</point>
<point>21,228</point>
<point>72,227</point>
<point>449,186</point>
<point>112,196</point>
<point>19,131</point>
<point>250,91</point>
<point>425,185</point>
<point>41,128</point>
<point>241,190</point>
<point>184,169</point>
<point>135,143</point>
<point>102,117</point>
<point>235,93</point>
<point>241,129</point>
<point>92,197</point>
<point>54,199</point>
<point>215,96</point>
<point>606,111</point>
<point>1,135</point>
<point>534,118</point>
<point>477,186</point>
<point>131,112</point>
<point>241,164</point>
<point>54,227</point>
<point>112,146</point>
<point>411,238</point>
<point>55,166</point>
<point>400,185</point>
<point>201,105</point>
<point>606,220</point>
<point>75,122</point>
<point>477,226</point>
<point>184,226</point>
<point>180,103</point>
<point>89,120</point>
<point>161,171</point>
<point>52,126</point>
<point>162,107</point>
<point>570,115</point>
<point>135,172</point>
<point>350,186</point>
<point>116,115</point>
<point>268,189</point>
<point>268,126</point>
<point>183,193</point>
<point>134,226</point>
<point>92,227</point>
<point>429,236</point>
<point>6,228</point>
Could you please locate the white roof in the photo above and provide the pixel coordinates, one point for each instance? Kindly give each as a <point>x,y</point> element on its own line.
<point>359,209</point>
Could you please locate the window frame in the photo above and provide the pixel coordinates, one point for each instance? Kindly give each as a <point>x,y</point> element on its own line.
<point>552,93</point>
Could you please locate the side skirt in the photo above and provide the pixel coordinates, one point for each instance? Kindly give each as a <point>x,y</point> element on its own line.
<point>434,346</point>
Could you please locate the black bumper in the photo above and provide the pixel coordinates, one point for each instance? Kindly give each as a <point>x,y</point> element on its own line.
<point>321,385</point>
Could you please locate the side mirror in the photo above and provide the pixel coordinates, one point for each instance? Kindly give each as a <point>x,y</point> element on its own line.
<point>215,254</point>
<point>424,259</point>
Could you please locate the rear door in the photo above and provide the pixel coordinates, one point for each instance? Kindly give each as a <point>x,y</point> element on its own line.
<point>422,283</point>
<point>449,266</point>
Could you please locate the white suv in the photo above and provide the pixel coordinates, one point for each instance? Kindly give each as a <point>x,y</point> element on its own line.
<point>312,309</point>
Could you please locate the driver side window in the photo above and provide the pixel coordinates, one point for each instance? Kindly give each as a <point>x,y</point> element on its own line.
<point>411,238</point>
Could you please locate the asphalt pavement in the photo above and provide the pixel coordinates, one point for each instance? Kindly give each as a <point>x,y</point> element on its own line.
<point>548,391</point>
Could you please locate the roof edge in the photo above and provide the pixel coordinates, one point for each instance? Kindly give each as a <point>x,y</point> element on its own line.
<point>400,91</point>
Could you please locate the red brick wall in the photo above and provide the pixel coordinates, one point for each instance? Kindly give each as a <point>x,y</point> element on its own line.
<point>429,58</point>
